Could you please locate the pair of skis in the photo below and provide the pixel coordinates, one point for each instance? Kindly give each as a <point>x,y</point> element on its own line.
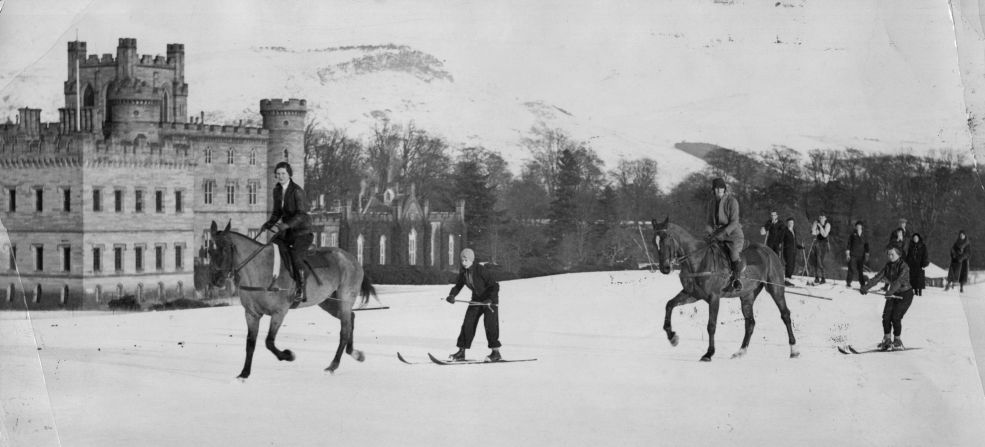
<point>848,350</point>
<point>438,361</point>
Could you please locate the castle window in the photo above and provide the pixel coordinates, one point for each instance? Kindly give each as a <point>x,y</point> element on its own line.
<point>333,239</point>
<point>253,157</point>
<point>97,259</point>
<point>37,294</point>
<point>208,156</point>
<point>433,242</point>
<point>66,258</point>
<point>13,258</point>
<point>451,250</point>
<point>138,201</point>
<point>118,258</point>
<point>178,207</point>
<point>229,156</point>
<point>10,292</point>
<point>231,194</point>
<point>159,257</point>
<point>159,201</point>
<point>251,192</point>
<point>178,261</point>
<point>97,200</point>
<point>38,199</point>
<point>39,258</point>
<point>64,297</point>
<point>67,199</point>
<point>88,98</point>
<point>360,243</point>
<point>99,293</point>
<point>383,249</point>
<point>12,204</point>
<point>208,190</point>
<point>118,200</point>
<point>138,258</point>
<point>412,247</point>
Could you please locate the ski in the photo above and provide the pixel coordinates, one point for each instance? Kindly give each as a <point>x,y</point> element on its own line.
<point>849,349</point>
<point>402,359</point>
<point>473,362</point>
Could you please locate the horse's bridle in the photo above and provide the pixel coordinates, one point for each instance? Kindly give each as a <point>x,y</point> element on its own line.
<point>676,253</point>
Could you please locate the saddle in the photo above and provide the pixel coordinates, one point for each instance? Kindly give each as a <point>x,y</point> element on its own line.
<point>312,258</point>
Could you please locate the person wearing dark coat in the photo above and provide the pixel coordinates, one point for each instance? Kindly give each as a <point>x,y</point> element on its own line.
<point>899,297</point>
<point>898,239</point>
<point>917,260</point>
<point>789,247</point>
<point>773,229</point>
<point>291,223</point>
<point>484,303</point>
<point>960,251</point>
<point>857,254</point>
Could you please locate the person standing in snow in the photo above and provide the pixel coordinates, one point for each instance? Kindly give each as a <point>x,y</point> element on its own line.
<point>899,297</point>
<point>773,229</point>
<point>789,249</point>
<point>917,260</point>
<point>960,251</point>
<point>857,254</point>
<point>821,228</point>
<point>484,304</point>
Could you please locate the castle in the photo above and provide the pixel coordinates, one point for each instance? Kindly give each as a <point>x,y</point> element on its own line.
<point>117,197</point>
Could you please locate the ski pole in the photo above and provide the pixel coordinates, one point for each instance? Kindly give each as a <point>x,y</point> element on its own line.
<point>475,303</point>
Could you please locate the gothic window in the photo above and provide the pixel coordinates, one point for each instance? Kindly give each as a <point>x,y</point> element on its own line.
<point>360,243</point>
<point>230,156</point>
<point>451,250</point>
<point>208,155</point>
<point>412,247</point>
<point>208,190</point>
<point>253,157</point>
<point>383,250</point>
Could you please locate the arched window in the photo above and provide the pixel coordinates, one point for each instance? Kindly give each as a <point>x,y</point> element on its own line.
<point>208,155</point>
<point>412,247</point>
<point>451,250</point>
<point>165,104</point>
<point>88,98</point>
<point>10,292</point>
<point>64,297</point>
<point>383,249</point>
<point>230,156</point>
<point>434,243</point>
<point>37,294</point>
<point>360,243</point>
<point>253,157</point>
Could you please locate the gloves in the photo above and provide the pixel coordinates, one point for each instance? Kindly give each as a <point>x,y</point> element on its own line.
<point>711,236</point>
<point>450,299</point>
<point>266,226</point>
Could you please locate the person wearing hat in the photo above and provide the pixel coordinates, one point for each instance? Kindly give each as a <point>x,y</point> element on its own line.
<point>821,228</point>
<point>906,235</point>
<point>916,258</point>
<point>724,228</point>
<point>899,296</point>
<point>773,229</point>
<point>857,254</point>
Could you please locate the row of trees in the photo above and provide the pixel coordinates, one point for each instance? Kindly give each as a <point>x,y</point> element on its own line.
<point>565,210</point>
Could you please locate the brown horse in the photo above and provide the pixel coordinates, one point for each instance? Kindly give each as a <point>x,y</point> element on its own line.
<point>339,278</point>
<point>704,271</point>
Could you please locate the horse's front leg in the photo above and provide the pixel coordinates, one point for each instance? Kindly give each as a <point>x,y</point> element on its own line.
<point>712,325</point>
<point>672,303</point>
<point>747,313</point>
<point>252,327</point>
<point>275,322</point>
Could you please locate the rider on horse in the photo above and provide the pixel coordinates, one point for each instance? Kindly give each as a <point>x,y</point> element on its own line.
<point>724,228</point>
<point>294,230</point>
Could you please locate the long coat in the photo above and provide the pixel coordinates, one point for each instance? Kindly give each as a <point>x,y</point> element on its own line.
<point>917,260</point>
<point>959,261</point>
<point>291,207</point>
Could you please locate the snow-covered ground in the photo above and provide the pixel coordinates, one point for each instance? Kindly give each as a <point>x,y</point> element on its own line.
<point>605,375</point>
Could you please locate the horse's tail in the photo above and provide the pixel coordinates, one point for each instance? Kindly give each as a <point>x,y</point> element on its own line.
<point>366,289</point>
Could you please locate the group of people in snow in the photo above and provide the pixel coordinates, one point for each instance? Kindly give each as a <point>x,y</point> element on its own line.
<point>903,273</point>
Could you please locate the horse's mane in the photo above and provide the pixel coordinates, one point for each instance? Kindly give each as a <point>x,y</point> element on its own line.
<point>241,235</point>
<point>682,233</point>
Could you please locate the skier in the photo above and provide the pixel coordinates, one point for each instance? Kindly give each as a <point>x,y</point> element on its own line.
<point>958,273</point>
<point>723,227</point>
<point>485,300</point>
<point>857,254</point>
<point>899,296</point>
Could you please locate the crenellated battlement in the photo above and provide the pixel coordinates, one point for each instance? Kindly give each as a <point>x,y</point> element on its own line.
<point>214,130</point>
<point>292,104</point>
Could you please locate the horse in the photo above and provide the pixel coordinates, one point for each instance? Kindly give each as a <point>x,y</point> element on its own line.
<point>338,279</point>
<point>705,270</point>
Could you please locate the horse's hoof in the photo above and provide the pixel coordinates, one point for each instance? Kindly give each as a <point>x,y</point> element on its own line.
<point>287,355</point>
<point>331,368</point>
<point>739,353</point>
<point>674,340</point>
<point>242,377</point>
<point>706,358</point>
<point>794,354</point>
<point>358,355</point>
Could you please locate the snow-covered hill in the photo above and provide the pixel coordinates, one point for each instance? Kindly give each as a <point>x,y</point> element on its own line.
<point>605,374</point>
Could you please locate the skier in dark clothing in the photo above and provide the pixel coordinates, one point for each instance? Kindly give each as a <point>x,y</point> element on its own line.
<point>773,229</point>
<point>789,248</point>
<point>960,251</point>
<point>820,229</point>
<point>485,300</point>
<point>917,260</point>
<point>857,254</point>
<point>724,228</point>
<point>899,296</point>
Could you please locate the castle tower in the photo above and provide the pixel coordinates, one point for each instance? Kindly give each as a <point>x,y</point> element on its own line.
<point>178,108</point>
<point>135,109</point>
<point>126,58</point>
<point>285,122</point>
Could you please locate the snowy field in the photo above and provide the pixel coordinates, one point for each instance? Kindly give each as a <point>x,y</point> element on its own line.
<point>605,375</point>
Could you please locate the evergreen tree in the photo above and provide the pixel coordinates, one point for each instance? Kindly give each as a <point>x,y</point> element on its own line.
<point>564,209</point>
<point>472,184</point>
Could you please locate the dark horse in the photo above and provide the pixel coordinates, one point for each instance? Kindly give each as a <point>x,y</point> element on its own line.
<point>339,279</point>
<point>704,271</point>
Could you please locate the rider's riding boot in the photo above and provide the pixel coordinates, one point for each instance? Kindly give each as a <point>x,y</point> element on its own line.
<point>299,286</point>
<point>733,281</point>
